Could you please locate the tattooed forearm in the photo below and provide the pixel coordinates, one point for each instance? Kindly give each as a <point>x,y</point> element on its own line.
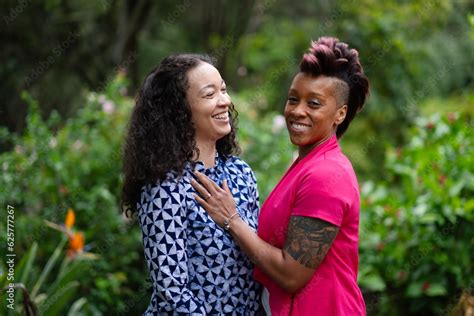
<point>309,240</point>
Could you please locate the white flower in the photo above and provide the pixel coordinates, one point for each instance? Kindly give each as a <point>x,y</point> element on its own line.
<point>77,145</point>
<point>53,142</point>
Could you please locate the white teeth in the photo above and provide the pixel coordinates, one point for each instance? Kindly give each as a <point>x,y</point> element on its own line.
<point>299,127</point>
<point>222,116</point>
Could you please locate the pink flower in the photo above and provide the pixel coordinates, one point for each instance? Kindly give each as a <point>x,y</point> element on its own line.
<point>402,275</point>
<point>425,286</point>
<point>452,117</point>
<point>442,179</point>
<point>399,152</point>
<point>108,107</point>
<point>278,123</point>
<point>380,246</point>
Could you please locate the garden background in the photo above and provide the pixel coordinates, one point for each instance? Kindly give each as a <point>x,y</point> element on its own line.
<point>69,73</point>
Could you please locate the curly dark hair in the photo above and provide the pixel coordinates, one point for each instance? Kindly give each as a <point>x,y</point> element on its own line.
<point>161,133</point>
<point>330,57</point>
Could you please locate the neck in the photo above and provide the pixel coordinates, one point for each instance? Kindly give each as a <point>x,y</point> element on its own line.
<point>207,153</point>
<point>303,151</point>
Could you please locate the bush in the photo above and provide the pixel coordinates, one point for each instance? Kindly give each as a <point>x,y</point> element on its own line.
<point>417,226</point>
<point>77,164</point>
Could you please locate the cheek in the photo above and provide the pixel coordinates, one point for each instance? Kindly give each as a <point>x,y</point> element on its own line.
<point>286,112</point>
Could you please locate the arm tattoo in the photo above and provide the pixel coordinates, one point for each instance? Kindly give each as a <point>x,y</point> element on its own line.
<point>309,240</point>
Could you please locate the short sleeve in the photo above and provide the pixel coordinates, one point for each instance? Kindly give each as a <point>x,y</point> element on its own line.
<point>325,193</point>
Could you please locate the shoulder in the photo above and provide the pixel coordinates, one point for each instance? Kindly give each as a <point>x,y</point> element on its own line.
<point>237,165</point>
<point>172,189</point>
<point>331,173</point>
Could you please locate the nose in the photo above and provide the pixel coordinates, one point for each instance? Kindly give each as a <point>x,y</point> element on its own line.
<point>224,99</point>
<point>297,110</point>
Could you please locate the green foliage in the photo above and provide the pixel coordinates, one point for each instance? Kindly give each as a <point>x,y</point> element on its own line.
<point>417,225</point>
<point>265,145</point>
<point>76,164</point>
<point>417,210</point>
<point>52,300</point>
<point>412,221</point>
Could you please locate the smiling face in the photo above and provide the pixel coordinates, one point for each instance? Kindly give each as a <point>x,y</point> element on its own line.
<point>311,111</point>
<point>209,102</point>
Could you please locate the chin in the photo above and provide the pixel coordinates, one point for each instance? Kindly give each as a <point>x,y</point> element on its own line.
<point>224,133</point>
<point>297,141</point>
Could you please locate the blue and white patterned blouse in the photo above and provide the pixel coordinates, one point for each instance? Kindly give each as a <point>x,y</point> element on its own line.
<point>195,266</point>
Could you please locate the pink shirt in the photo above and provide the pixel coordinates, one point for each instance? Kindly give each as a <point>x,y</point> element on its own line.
<point>322,185</point>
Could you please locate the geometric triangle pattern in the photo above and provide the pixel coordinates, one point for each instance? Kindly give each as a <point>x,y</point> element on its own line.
<point>195,266</point>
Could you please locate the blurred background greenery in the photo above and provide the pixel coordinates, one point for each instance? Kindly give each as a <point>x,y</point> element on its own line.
<point>70,71</point>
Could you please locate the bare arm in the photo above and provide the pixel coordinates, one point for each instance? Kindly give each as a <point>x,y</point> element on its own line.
<point>308,239</point>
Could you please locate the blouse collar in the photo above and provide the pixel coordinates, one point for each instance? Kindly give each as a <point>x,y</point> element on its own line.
<point>216,169</point>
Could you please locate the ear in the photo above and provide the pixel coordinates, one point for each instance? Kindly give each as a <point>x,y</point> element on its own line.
<point>340,114</point>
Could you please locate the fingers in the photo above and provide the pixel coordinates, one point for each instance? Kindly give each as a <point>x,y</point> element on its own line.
<point>202,190</point>
<point>226,187</point>
<point>210,185</point>
<point>201,201</point>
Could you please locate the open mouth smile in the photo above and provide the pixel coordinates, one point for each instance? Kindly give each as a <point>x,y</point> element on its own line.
<point>221,116</point>
<point>299,127</point>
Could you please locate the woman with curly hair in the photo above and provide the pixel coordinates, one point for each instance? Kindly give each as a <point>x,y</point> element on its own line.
<point>183,122</point>
<point>306,250</point>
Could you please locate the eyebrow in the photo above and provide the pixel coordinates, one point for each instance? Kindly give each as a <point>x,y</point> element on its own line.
<point>311,94</point>
<point>211,85</point>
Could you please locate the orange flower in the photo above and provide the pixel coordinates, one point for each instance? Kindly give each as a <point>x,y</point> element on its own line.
<point>76,243</point>
<point>70,218</point>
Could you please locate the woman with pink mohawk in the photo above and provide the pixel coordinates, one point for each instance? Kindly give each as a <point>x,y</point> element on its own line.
<point>306,250</point>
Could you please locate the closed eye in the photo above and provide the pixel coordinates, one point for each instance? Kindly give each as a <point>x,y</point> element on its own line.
<point>292,100</point>
<point>314,103</point>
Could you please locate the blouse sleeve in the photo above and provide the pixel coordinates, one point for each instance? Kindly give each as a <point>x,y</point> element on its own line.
<point>254,193</point>
<point>253,207</point>
<point>163,222</point>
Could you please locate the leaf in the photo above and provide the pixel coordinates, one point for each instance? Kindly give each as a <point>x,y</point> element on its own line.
<point>54,304</point>
<point>373,282</point>
<point>429,218</point>
<point>24,270</point>
<point>436,290</point>
<point>414,289</point>
<point>73,271</point>
<point>420,209</point>
<point>456,188</point>
<point>47,268</point>
<point>77,306</point>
